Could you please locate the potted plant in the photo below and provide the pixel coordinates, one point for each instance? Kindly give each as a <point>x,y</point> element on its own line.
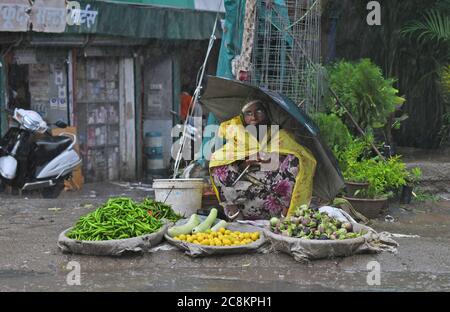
<point>384,178</point>
<point>355,184</point>
<point>412,180</point>
<point>350,159</point>
<point>347,150</point>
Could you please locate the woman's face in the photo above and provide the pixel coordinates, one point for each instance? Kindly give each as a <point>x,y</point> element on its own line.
<point>255,115</point>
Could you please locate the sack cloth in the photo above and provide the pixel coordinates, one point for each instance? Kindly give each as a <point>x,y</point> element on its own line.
<point>196,250</point>
<point>115,247</point>
<point>304,250</point>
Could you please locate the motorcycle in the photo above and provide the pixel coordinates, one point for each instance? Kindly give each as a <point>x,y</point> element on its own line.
<point>32,159</point>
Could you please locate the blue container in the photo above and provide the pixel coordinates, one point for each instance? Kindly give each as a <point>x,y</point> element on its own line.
<point>154,152</point>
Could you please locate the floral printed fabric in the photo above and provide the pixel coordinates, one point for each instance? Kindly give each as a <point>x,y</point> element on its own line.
<point>231,153</point>
<point>260,194</point>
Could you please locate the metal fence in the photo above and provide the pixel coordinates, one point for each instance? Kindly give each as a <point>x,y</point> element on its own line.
<point>286,50</point>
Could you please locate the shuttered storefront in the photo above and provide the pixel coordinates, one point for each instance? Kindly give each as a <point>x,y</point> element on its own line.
<point>97,98</point>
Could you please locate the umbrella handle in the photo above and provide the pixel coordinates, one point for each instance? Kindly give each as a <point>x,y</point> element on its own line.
<point>241,175</point>
<point>248,166</point>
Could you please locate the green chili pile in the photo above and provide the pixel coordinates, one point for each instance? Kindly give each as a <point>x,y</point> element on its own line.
<point>121,218</point>
<point>160,210</point>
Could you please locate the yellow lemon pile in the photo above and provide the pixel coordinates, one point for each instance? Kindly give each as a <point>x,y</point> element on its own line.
<point>220,238</point>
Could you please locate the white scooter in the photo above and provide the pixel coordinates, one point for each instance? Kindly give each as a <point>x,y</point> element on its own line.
<point>32,159</point>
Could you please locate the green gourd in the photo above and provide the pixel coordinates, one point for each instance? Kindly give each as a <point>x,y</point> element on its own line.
<point>206,225</point>
<point>186,228</point>
<point>219,225</point>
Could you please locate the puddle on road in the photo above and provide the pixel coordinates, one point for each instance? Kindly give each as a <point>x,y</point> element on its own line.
<point>22,273</point>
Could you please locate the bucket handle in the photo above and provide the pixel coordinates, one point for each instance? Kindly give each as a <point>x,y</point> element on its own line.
<point>171,189</point>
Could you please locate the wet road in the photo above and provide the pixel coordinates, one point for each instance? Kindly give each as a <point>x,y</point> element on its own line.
<point>31,261</point>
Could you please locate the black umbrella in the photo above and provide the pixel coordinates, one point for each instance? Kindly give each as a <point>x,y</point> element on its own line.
<point>225,99</point>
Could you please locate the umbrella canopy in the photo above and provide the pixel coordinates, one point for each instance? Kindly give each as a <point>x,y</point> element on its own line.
<point>225,99</point>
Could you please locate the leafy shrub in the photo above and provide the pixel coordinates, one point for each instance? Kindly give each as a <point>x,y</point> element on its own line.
<point>445,82</point>
<point>384,177</point>
<point>445,86</point>
<point>414,176</point>
<point>361,87</point>
<point>333,131</point>
<point>349,159</point>
<point>422,196</point>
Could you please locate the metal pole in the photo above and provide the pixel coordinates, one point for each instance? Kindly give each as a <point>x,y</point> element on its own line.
<point>195,97</point>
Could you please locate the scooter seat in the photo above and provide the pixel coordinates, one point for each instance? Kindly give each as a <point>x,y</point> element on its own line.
<point>53,144</point>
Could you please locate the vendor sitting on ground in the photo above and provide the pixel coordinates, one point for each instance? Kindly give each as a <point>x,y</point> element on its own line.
<point>267,188</point>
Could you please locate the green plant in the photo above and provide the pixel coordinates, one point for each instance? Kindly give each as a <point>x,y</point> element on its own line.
<point>422,196</point>
<point>435,26</point>
<point>413,176</point>
<point>445,128</point>
<point>433,30</point>
<point>349,158</point>
<point>334,132</point>
<point>361,87</point>
<point>384,177</point>
<point>445,82</point>
<point>445,87</point>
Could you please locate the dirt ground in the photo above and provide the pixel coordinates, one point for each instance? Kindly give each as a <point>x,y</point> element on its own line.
<point>31,261</point>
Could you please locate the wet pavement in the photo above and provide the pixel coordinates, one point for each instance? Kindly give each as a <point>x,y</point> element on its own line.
<point>31,261</point>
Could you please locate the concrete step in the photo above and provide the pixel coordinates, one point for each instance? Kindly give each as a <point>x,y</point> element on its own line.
<point>435,166</point>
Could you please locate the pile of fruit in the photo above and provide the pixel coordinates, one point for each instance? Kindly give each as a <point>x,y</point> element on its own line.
<point>203,233</point>
<point>220,238</point>
<point>311,224</point>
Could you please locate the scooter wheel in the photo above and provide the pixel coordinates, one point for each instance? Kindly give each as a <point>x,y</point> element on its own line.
<point>52,192</point>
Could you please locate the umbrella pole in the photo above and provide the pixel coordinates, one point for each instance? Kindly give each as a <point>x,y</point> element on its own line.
<point>195,97</point>
<point>248,166</point>
<point>241,175</point>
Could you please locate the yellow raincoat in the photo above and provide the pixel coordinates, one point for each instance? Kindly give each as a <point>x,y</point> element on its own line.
<point>240,144</point>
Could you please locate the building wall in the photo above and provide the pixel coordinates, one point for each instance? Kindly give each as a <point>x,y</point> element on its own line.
<point>168,68</point>
<point>97,97</point>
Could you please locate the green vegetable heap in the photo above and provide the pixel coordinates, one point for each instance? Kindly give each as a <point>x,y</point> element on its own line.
<point>160,210</point>
<point>312,224</point>
<point>121,218</point>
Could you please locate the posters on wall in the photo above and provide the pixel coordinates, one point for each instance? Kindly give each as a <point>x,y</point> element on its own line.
<point>48,90</point>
